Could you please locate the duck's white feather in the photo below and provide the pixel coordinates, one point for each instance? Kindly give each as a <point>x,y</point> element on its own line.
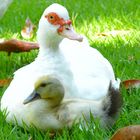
<point>92,72</point>
<point>82,70</point>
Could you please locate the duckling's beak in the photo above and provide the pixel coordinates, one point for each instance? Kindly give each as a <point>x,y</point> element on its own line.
<point>32,97</point>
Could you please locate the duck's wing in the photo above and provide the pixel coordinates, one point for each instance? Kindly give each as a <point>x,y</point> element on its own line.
<point>92,71</point>
<point>20,87</point>
<point>84,59</point>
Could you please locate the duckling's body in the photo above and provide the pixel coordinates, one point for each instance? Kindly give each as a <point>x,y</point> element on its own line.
<point>46,113</point>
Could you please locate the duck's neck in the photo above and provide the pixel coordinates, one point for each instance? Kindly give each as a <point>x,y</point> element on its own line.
<point>49,49</point>
<point>45,51</point>
<point>48,45</point>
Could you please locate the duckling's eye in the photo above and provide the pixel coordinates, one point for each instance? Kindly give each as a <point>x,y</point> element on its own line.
<point>43,85</point>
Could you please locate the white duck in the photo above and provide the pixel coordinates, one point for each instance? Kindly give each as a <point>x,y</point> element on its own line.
<point>45,107</point>
<point>91,78</point>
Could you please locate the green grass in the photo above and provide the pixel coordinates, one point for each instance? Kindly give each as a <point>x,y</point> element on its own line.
<point>89,18</point>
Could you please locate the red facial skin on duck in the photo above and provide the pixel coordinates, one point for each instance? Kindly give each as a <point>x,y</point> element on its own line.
<point>65,28</point>
<point>54,19</point>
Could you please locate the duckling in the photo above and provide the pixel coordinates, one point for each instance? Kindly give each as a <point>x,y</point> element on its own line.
<point>47,88</point>
<point>68,111</point>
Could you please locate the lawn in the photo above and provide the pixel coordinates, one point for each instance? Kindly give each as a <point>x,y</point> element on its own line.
<point>90,18</point>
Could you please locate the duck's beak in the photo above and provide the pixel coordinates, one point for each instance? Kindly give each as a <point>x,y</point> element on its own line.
<point>66,30</point>
<point>32,97</point>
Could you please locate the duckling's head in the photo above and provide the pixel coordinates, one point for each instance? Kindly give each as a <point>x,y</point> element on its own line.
<point>55,25</point>
<point>47,88</point>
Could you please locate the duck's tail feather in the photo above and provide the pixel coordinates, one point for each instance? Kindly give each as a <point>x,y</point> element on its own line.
<point>113,101</point>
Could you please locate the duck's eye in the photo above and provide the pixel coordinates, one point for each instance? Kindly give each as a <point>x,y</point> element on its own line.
<point>43,85</point>
<point>51,17</point>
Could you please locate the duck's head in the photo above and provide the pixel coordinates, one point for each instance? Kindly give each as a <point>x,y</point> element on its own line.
<point>47,88</point>
<point>55,25</point>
